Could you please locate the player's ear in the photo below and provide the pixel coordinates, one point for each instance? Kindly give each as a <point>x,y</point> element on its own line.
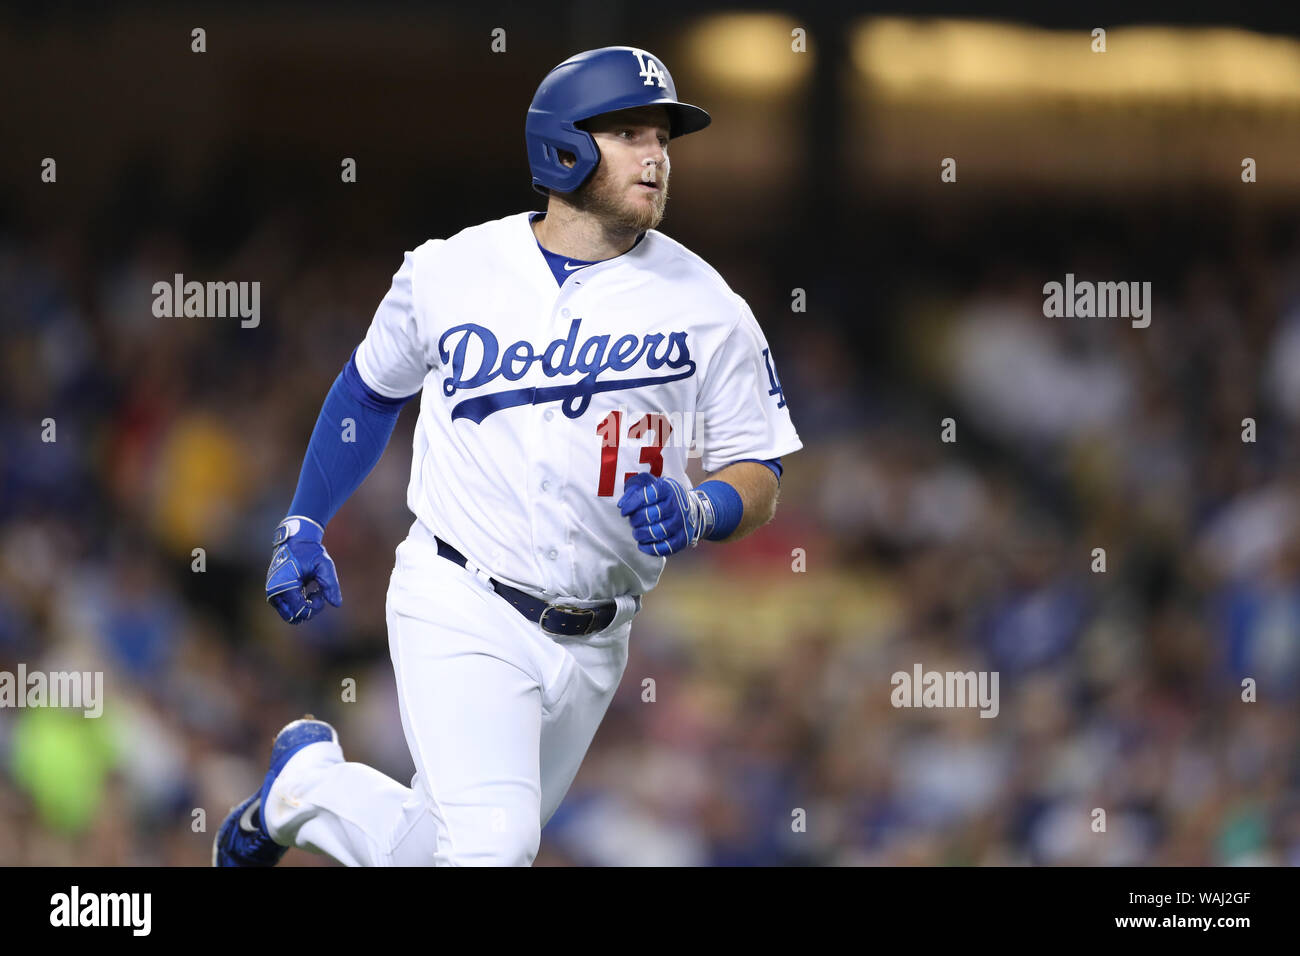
<point>568,158</point>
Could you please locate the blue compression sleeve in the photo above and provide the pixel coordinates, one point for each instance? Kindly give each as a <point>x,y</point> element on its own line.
<point>333,468</point>
<point>772,463</point>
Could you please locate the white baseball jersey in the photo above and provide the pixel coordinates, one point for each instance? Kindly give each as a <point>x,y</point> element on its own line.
<point>539,399</point>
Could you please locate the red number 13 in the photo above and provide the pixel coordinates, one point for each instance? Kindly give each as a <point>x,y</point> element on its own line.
<point>609,430</point>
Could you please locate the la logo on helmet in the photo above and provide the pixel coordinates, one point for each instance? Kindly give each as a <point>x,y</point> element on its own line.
<point>650,70</point>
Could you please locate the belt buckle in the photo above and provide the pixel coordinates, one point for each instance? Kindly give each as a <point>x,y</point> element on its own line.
<point>568,609</point>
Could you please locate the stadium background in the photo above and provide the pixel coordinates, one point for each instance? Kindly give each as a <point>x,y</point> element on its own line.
<point>923,301</point>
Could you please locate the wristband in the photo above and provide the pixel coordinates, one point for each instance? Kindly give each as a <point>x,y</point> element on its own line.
<point>723,508</point>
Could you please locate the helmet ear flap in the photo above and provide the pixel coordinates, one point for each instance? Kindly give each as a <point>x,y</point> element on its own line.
<point>549,172</point>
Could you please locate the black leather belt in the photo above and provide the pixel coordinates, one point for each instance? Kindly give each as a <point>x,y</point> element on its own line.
<point>562,619</point>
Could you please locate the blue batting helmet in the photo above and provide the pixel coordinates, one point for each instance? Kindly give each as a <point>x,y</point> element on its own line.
<point>586,85</point>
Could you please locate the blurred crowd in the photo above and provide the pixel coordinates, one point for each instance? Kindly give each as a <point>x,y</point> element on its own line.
<point>771,737</point>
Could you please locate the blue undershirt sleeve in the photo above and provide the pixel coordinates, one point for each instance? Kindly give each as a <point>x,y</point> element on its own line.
<point>773,463</point>
<point>338,457</point>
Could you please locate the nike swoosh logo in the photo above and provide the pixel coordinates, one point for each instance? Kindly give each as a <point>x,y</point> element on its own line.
<point>569,268</point>
<point>246,821</point>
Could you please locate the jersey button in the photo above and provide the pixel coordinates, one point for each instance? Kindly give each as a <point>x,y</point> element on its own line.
<point>564,313</point>
<point>552,554</point>
<point>546,486</point>
<point>550,413</point>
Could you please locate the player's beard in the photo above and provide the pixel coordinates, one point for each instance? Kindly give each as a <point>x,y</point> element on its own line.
<point>607,200</point>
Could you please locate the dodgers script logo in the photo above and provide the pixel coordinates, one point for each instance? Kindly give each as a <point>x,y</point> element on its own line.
<point>561,357</point>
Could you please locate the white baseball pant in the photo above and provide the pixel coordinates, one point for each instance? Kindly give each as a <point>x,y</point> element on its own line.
<point>498,716</point>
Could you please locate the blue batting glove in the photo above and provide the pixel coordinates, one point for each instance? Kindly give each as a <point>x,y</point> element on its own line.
<point>666,516</point>
<point>301,577</point>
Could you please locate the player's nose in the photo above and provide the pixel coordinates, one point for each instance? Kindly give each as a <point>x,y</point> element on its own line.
<point>654,165</point>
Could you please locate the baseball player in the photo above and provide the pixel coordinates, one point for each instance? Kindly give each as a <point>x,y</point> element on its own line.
<point>562,361</point>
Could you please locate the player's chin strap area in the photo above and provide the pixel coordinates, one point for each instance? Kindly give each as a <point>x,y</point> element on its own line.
<point>560,619</point>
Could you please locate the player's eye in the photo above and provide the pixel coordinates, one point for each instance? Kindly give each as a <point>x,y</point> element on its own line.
<point>663,140</point>
<point>625,132</point>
